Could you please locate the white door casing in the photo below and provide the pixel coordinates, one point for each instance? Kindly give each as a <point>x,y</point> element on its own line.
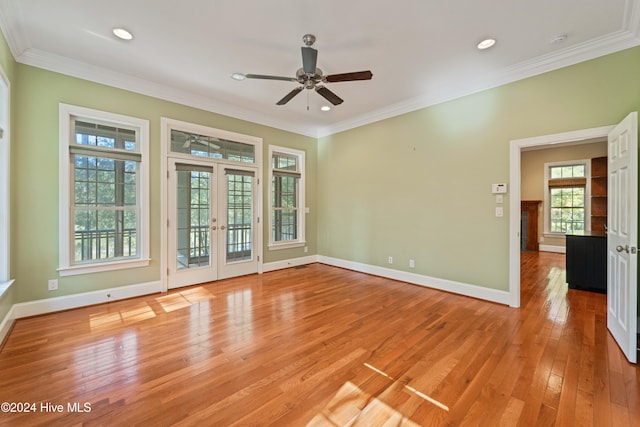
<point>622,235</point>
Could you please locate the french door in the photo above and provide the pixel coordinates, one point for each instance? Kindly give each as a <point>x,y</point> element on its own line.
<point>212,221</point>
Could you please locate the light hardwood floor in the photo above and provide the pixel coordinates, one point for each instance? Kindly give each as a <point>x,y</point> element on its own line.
<point>323,346</point>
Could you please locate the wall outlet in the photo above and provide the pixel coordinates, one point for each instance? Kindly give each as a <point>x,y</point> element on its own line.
<point>306,249</point>
<point>53,284</point>
<point>412,263</point>
<point>390,260</point>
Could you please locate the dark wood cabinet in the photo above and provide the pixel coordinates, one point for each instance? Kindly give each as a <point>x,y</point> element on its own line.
<point>586,262</point>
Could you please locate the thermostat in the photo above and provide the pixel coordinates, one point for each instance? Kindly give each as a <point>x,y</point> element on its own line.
<point>499,188</point>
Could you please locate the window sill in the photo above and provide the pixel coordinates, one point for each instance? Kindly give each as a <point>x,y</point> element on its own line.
<point>4,287</point>
<point>107,266</point>
<point>278,246</point>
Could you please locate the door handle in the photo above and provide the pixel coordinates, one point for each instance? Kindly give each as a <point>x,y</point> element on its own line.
<point>222,227</point>
<point>213,227</point>
<point>620,248</point>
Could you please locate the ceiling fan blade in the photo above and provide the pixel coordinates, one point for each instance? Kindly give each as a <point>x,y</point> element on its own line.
<point>263,77</point>
<point>348,77</point>
<point>290,95</point>
<point>329,96</point>
<point>309,59</point>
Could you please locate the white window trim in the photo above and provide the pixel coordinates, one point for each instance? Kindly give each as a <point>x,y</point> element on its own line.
<point>66,112</point>
<point>5,188</point>
<point>301,241</point>
<point>547,198</point>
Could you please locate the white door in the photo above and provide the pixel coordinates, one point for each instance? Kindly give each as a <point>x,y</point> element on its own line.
<point>237,221</point>
<point>212,222</point>
<point>192,219</point>
<point>622,236</point>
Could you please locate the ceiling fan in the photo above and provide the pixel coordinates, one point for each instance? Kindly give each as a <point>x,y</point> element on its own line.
<point>311,77</point>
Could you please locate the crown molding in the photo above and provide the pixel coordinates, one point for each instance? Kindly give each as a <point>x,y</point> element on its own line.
<point>10,16</point>
<point>606,45</point>
<point>63,65</point>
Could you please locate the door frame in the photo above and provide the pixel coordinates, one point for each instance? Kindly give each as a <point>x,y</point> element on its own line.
<point>516,147</point>
<point>166,124</point>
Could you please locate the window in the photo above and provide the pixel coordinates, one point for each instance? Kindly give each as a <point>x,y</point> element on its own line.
<point>286,219</point>
<point>567,192</point>
<point>212,147</point>
<point>5,177</point>
<point>103,191</point>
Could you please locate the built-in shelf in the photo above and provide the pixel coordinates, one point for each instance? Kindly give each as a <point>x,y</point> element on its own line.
<point>599,194</point>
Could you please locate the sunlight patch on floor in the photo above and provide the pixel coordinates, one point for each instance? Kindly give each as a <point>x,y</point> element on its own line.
<point>351,407</point>
<point>183,299</point>
<point>128,316</point>
<point>411,389</point>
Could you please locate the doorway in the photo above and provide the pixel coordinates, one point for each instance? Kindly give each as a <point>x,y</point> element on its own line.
<point>212,221</point>
<point>211,204</point>
<point>621,279</point>
<point>516,147</point>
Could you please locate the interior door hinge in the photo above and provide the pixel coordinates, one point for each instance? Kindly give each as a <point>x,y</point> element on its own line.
<point>167,174</point>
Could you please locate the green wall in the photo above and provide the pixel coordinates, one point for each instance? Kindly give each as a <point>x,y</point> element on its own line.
<point>418,186</point>
<point>35,176</point>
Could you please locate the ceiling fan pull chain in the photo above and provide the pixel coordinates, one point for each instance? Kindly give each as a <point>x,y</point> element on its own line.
<point>307,100</point>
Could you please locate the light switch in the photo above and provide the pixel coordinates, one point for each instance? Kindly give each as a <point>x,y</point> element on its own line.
<point>499,211</point>
<point>499,198</point>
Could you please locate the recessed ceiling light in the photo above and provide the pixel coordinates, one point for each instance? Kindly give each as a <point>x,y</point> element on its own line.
<point>238,76</point>
<point>486,44</point>
<point>325,108</point>
<point>123,34</point>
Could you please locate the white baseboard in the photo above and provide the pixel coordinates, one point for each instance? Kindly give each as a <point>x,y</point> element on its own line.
<point>287,263</point>
<point>6,324</point>
<point>553,248</point>
<point>475,291</point>
<point>49,305</point>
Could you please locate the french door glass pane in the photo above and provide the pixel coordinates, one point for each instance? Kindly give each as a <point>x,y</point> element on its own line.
<point>239,217</point>
<point>193,216</point>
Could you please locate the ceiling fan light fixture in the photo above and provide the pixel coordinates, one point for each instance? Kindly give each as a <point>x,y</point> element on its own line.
<point>238,76</point>
<point>325,108</point>
<point>123,34</point>
<point>486,43</point>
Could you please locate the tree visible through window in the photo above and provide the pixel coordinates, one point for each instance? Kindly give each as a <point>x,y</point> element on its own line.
<point>104,197</point>
<point>105,209</point>
<point>287,196</point>
<point>567,187</point>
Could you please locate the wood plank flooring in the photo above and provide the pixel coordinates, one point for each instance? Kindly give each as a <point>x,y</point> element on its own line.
<point>323,346</point>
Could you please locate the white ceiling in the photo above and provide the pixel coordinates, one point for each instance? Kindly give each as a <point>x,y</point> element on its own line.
<point>421,52</point>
